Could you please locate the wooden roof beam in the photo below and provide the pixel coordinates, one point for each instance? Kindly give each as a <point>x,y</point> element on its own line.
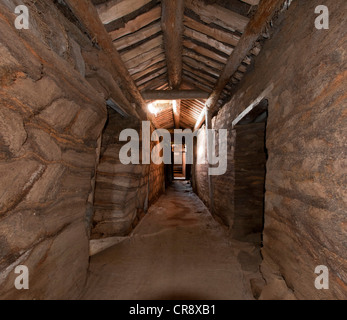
<point>116,9</point>
<point>136,64</point>
<point>253,31</point>
<point>174,94</point>
<point>155,83</point>
<point>86,13</point>
<point>213,13</point>
<point>137,36</point>
<point>136,24</point>
<point>172,25</point>
<point>142,49</point>
<point>222,36</point>
<point>251,2</point>
<point>204,52</point>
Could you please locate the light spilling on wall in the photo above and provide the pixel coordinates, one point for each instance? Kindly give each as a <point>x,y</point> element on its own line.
<point>152,109</point>
<point>158,106</point>
<point>174,106</point>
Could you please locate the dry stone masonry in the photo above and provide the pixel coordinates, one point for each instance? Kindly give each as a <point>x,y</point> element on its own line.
<point>305,199</point>
<point>51,123</point>
<point>263,70</point>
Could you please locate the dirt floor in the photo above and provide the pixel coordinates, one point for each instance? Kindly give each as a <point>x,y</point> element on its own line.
<point>178,251</point>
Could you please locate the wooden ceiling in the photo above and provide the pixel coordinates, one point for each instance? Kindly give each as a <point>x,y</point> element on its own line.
<point>179,44</point>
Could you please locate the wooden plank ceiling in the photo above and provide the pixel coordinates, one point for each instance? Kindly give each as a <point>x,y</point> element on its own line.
<point>207,36</point>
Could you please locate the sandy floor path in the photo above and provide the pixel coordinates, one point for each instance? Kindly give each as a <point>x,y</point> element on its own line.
<point>178,251</point>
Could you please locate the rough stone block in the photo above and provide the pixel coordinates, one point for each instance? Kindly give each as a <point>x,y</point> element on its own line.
<point>89,123</point>
<point>44,144</point>
<point>17,178</point>
<point>12,129</point>
<point>59,114</point>
<point>36,94</point>
<point>47,188</point>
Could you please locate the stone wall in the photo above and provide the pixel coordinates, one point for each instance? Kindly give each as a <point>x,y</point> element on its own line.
<point>156,182</point>
<point>123,193</point>
<point>238,194</point>
<point>121,190</point>
<point>50,123</point>
<point>303,71</point>
<point>223,203</point>
<point>200,168</point>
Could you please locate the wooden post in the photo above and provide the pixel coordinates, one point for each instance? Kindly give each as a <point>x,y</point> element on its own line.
<point>209,158</point>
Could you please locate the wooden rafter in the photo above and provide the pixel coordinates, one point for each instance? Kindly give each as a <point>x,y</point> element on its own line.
<point>247,41</point>
<point>147,64</point>
<point>152,75</point>
<point>136,24</point>
<point>201,73</point>
<point>149,70</point>
<point>86,13</point>
<point>222,36</point>
<point>201,66</point>
<point>174,94</point>
<point>201,37</point>
<point>138,36</point>
<point>199,82</point>
<point>116,9</point>
<point>216,14</point>
<point>133,64</point>
<point>194,84</point>
<point>204,52</point>
<point>172,25</point>
<point>155,83</point>
<point>202,59</point>
<point>251,2</point>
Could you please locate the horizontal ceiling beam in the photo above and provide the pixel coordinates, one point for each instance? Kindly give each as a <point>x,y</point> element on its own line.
<point>174,94</point>
<point>251,2</point>
<point>138,36</point>
<point>218,34</point>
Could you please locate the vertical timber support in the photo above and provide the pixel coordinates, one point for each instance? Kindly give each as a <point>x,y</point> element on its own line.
<point>209,157</point>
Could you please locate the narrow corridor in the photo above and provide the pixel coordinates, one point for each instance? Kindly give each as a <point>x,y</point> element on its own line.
<point>178,251</point>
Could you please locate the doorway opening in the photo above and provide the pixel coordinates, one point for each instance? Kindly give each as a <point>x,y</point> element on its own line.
<point>179,164</point>
<point>250,172</point>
